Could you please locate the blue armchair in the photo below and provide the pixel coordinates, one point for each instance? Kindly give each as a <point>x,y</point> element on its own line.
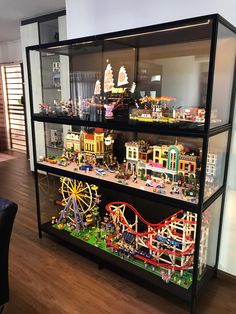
<point>8,211</point>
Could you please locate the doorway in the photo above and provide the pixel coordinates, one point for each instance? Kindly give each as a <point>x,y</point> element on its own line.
<point>15,117</point>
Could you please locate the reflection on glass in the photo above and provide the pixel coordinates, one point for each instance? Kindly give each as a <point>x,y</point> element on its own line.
<point>223,76</point>
<point>215,166</point>
<point>54,139</point>
<point>209,237</point>
<point>174,78</point>
<point>50,66</point>
<point>48,31</point>
<point>51,82</point>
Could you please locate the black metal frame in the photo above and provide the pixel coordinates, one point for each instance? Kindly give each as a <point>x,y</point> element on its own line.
<point>43,18</point>
<point>205,134</point>
<point>26,121</point>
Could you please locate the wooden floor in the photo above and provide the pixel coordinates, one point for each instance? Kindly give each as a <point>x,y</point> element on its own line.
<point>48,278</point>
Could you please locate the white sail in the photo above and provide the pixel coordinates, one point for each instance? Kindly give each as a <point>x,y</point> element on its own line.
<point>108,79</point>
<point>122,77</point>
<point>97,89</point>
<point>132,90</point>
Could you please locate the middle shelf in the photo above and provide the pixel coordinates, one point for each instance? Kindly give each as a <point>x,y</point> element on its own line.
<point>163,167</point>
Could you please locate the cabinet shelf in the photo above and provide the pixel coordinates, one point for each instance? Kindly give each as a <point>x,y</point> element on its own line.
<point>109,261</point>
<point>101,181</point>
<point>121,125</point>
<point>145,192</point>
<point>153,128</point>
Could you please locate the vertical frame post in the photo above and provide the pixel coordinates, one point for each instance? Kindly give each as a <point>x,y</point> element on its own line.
<point>34,144</point>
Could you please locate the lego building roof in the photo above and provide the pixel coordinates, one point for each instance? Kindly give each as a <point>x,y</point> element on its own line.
<point>89,136</point>
<point>98,130</point>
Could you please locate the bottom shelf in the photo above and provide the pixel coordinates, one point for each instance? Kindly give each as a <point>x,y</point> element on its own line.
<point>147,276</point>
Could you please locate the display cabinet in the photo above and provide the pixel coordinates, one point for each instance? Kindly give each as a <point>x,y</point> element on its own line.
<point>131,150</point>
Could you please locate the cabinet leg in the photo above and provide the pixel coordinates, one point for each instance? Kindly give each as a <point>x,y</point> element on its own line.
<point>40,234</point>
<point>215,275</point>
<point>100,266</point>
<point>192,309</point>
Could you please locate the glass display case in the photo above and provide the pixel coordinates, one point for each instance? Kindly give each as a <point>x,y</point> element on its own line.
<point>136,139</point>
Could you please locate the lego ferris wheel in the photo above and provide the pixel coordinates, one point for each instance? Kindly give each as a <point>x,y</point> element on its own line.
<point>79,199</point>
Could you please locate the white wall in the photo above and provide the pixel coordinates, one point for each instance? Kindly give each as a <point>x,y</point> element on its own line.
<point>29,37</point>
<point>10,52</point>
<point>91,17</point>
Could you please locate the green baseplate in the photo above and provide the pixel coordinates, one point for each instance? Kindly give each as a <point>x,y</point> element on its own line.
<point>96,237</point>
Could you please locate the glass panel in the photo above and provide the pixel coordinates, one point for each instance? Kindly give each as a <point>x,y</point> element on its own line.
<point>223,76</point>
<point>54,139</point>
<point>119,77</point>
<point>153,77</point>
<point>51,81</point>
<point>86,70</point>
<point>165,165</point>
<point>48,31</point>
<point>172,77</point>
<point>36,81</point>
<point>209,237</point>
<point>215,167</point>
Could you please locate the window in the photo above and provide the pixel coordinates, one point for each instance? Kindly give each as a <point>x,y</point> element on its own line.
<point>172,159</point>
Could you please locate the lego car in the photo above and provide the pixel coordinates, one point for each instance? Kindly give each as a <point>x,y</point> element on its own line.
<point>174,189</point>
<point>63,163</point>
<point>192,192</point>
<point>86,167</point>
<point>51,160</point>
<point>161,191</point>
<point>100,172</point>
<point>154,184</point>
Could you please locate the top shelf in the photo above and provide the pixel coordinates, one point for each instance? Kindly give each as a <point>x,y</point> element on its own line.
<point>174,78</point>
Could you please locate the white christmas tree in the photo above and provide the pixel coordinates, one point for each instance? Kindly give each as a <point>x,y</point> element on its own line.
<point>108,79</point>
<point>122,77</point>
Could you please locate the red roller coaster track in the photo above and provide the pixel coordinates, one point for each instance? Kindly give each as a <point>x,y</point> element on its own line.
<point>173,218</point>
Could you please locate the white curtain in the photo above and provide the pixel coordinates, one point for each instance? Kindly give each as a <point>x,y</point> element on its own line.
<point>82,84</point>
